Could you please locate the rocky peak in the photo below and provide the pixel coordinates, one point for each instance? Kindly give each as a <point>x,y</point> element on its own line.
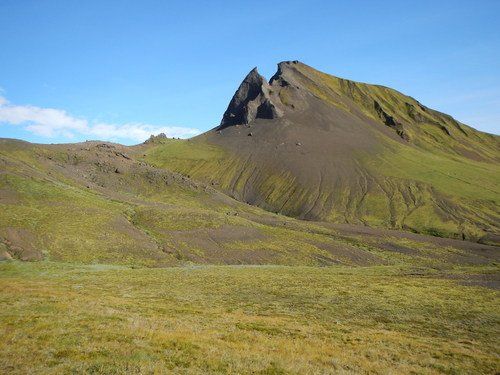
<point>252,100</point>
<point>285,73</point>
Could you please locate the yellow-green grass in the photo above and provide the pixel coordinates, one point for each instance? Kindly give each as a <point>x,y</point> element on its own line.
<point>62,318</point>
<point>454,176</point>
<point>428,128</point>
<point>457,195</point>
<point>181,154</point>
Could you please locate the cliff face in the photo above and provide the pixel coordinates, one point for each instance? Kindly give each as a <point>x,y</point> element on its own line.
<point>252,100</point>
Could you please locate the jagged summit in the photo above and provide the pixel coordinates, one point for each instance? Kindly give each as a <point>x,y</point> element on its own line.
<point>285,70</point>
<point>252,100</point>
<point>257,99</point>
<point>297,86</point>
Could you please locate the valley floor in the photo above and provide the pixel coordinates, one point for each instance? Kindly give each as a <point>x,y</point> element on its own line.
<point>64,318</point>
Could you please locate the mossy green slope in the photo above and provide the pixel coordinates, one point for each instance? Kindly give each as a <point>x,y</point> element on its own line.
<point>351,152</point>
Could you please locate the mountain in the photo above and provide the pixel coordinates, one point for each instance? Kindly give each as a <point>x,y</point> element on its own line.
<point>313,146</point>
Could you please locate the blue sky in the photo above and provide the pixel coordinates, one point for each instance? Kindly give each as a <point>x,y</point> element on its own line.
<point>119,70</point>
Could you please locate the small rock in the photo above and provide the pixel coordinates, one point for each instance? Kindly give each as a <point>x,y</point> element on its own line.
<point>250,134</point>
<point>156,138</point>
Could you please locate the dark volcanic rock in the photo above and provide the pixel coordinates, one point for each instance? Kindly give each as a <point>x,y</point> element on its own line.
<point>252,100</point>
<point>390,121</point>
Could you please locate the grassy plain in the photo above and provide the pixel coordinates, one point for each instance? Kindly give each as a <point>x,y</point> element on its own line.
<point>63,318</point>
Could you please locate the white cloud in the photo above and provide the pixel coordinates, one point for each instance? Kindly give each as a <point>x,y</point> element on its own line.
<point>138,132</point>
<point>50,123</point>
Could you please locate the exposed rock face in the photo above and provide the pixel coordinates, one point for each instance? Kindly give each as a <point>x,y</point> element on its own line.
<point>252,100</point>
<point>284,74</point>
<point>390,121</point>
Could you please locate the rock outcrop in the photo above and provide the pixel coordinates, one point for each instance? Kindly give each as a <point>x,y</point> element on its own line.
<point>252,100</point>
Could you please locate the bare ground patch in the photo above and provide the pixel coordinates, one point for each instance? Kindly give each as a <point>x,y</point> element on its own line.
<point>20,244</point>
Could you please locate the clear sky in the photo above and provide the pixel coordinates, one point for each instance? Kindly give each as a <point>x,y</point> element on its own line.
<point>72,70</point>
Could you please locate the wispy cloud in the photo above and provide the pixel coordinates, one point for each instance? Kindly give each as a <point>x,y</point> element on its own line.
<point>52,123</point>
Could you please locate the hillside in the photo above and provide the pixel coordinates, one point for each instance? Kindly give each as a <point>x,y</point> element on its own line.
<point>97,202</point>
<point>351,158</point>
<point>313,146</point>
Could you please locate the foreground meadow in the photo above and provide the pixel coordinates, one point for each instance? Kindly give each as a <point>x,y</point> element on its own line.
<point>61,318</point>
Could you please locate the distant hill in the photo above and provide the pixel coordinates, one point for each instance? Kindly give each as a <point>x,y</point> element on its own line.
<point>313,146</point>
